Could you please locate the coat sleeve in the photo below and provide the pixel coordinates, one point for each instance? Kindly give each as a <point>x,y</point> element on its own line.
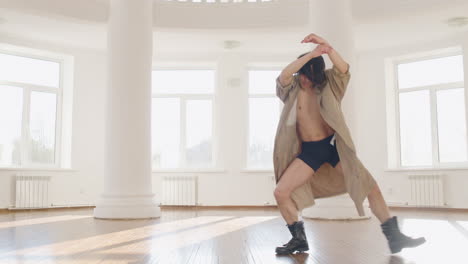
<point>283,92</point>
<point>338,81</point>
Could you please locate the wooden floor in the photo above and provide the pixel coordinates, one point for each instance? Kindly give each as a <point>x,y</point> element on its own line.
<point>221,236</point>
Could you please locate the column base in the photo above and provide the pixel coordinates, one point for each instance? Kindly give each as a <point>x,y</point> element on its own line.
<point>126,207</point>
<point>336,208</point>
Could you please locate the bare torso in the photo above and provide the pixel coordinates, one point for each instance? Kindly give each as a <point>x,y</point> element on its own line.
<point>310,124</point>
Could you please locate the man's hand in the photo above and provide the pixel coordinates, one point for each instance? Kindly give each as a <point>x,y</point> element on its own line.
<point>322,49</point>
<point>312,38</point>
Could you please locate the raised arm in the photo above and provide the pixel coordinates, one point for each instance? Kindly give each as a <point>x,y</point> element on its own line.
<point>286,75</point>
<point>334,56</point>
<point>285,82</point>
<point>338,61</point>
<point>339,76</point>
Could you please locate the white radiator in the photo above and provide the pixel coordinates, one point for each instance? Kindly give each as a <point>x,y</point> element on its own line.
<point>179,190</point>
<point>31,191</point>
<point>427,190</point>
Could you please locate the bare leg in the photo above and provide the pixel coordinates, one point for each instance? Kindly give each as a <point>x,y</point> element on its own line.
<point>378,205</point>
<point>376,201</point>
<point>295,175</point>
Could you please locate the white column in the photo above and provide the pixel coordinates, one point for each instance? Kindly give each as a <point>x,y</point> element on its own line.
<point>465,67</point>
<point>333,21</point>
<point>127,183</point>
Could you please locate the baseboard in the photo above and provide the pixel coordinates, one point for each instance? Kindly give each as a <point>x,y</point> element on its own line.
<point>238,207</point>
<point>430,209</point>
<point>218,206</point>
<point>7,210</point>
<point>396,204</point>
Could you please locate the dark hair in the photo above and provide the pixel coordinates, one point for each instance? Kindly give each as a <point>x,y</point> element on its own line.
<point>314,70</point>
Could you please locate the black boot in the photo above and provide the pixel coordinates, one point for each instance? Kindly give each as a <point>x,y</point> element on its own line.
<point>298,241</point>
<point>397,240</point>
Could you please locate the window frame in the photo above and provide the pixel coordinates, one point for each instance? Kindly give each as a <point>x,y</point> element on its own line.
<point>436,164</point>
<point>28,89</point>
<point>246,166</point>
<point>183,119</point>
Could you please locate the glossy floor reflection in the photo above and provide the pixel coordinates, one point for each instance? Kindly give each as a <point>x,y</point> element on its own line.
<point>222,236</point>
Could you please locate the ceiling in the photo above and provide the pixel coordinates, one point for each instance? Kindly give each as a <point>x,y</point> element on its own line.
<point>409,21</point>
<point>372,10</point>
<point>96,10</point>
<point>174,14</point>
<point>266,27</point>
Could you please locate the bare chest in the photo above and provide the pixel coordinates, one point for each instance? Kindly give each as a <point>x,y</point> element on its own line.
<point>307,104</point>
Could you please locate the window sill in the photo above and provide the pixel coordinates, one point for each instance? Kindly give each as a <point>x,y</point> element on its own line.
<point>189,171</point>
<point>247,170</point>
<point>37,169</point>
<point>424,169</point>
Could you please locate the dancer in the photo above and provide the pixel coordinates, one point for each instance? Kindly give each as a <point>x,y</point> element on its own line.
<point>314,155</point>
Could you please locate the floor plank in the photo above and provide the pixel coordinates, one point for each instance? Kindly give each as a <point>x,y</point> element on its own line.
<point>219,235</point>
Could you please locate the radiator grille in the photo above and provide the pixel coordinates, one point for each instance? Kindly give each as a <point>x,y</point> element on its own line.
<point>427,190</point>
<point>31,191</point>
<point>180,190</point>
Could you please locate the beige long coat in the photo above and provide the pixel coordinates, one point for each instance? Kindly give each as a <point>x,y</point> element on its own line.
<point>356,179</point>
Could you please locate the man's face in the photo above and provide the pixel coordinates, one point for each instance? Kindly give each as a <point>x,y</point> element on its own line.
<point>305,82</point>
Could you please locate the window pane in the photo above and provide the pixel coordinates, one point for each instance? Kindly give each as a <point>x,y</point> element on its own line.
<point>11,109</point>
<point>199,132</point>
<point>42,127</point>
<point>183,81</point>
<point>27,70</point>
<point>166,132</point>
<point>451,125</point>
<point>262,82</point>
<point>263,120</point>
<point>415,129</point>
<point>430,72</point>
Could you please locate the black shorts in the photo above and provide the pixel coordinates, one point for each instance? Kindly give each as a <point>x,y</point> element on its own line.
<point>315,153</point>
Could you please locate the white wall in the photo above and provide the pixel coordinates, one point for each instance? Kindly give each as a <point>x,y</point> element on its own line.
<point>370,131</point>
<point>230,183</point>
<point>81,184</point>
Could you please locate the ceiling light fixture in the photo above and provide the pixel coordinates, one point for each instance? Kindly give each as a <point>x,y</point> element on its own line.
<point>457,22</point>
<point>231,44</point>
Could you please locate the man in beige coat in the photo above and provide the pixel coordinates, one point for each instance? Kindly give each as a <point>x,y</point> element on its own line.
<point>314,155</point>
